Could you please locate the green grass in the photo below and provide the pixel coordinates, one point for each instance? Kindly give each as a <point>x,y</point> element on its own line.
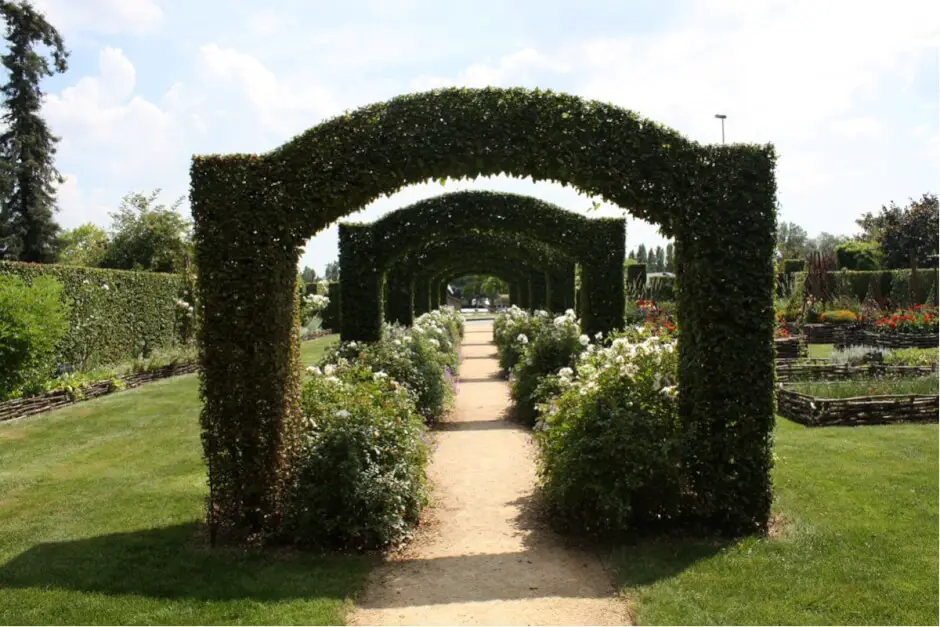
<point>868,386</point>
<point>101,506</point>
<point>312,351</point>
<point>858,544</point>
<point>819,351</point>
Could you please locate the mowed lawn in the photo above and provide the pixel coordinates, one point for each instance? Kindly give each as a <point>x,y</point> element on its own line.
<point>101,506</point>
<point>857,544</point>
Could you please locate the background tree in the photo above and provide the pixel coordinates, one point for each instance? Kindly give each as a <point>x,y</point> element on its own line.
<point>28,176</point>
<point>148,236</point>
<point>308,275</point>
<point>826,243</point>
<point>641,255</point>
<point>331,272</point>
<point>793,241</point>
<point>84,245</point>
<point>670,258</point>
<point>660,259</point>
<point>904,231</point>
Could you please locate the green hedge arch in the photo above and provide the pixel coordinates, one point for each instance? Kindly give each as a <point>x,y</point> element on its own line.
<point>366,251</point>
<point>523,274</point>
<point>407,289</point>
<point>253,214</point>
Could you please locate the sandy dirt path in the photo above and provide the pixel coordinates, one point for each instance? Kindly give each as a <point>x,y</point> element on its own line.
<point>482,557</point>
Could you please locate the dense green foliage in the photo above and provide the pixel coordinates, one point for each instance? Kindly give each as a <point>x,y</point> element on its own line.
<point>32,323</point>
<point>859,256</point>
<point>148,236</point>
<point>860,284</point>
<point>610,443</point>
<point>253,213</point>
<point>113,315</point>
<point>906,234</point>
<point>789,266</point>
<point>85,245</point>
<point>367,252</point>
<point>28,177</point>
<point>361,429</point>
<point>555,344</point>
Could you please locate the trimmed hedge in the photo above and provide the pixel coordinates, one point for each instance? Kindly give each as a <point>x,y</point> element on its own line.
<point>136,311</point>
<point>859,256</point>
<point>789,266</point>
<point>636,276</point>
<point>367,252</point>
<point>254,213</point>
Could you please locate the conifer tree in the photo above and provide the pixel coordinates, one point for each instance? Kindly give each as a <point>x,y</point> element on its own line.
<point>28,176</point>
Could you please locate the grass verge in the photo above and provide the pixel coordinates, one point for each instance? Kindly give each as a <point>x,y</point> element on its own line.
<point>857,545</point>
<point>101,506</point>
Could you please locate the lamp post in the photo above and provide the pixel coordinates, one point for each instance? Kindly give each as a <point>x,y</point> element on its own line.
<point>722,116</point>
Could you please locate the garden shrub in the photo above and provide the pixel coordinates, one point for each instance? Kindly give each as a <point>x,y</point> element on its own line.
<point>859,255</point>
<point>113,315</point>
<point>360,477</point>
<point>512,330</point>
<point>838,316</point>
<point>887,281</point>
<point>331,313</point>
<point>911,357</point>
<point>789,266</point>
<point>423,358</point>
<point>661,288</point>
<point>32,324</point>
<point>635,278</point>
<point>556,345</point>
<point>609,445</point>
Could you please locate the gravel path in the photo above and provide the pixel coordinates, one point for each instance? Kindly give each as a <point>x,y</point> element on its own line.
<point>481,557</point>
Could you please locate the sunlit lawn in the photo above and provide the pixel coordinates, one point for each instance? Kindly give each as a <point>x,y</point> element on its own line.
<point>101,506</point>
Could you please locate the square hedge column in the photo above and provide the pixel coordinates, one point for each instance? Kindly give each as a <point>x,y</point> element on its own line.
<point>513,293</point>
<point>538,291</point>
<point>724,251</point>
<point>399,307</point>
<point>362,286</point>
<point>249,343</point>
<point>421,293</point>
<point>602,296</point>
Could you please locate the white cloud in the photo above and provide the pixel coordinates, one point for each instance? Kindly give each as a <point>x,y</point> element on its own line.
<point>105,17</point>
<point>803,75</point>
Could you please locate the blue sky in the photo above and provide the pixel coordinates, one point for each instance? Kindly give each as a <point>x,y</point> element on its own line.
<point>847,91</point>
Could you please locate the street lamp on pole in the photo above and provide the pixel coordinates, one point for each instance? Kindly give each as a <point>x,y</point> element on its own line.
<point>722,116</point>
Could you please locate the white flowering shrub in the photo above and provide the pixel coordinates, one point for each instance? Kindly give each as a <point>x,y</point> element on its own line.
<point>513,329</point>
<point>556,344</point>
<point>312,305</point>
<point>360,479</point>
<point>423,358</point>
<point>608,436</point>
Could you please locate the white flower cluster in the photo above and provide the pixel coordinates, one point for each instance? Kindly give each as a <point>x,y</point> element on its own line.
<point>316,302</point>
<point>184,306</point>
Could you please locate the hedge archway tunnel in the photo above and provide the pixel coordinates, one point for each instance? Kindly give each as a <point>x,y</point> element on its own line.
<point>253,214</point>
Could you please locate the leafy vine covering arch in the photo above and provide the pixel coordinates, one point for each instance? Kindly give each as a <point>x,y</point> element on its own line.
<point>407,279</point>
<point>366,251</point>
<point>253,214</point>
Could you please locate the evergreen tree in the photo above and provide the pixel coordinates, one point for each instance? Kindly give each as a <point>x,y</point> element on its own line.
<point>660,259</point>
<point>670,258</point>
<point>641,256</point>
<point>28,176</point>
<point>632,255</point>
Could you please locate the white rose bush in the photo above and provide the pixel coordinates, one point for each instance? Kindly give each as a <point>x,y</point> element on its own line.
<point>608,436</point>
<point>366,408</point>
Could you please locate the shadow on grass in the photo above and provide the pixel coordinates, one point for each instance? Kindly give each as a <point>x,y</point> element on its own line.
<point>643,561</point>
<point>175,563</point>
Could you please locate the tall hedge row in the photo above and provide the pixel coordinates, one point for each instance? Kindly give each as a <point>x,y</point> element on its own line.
<point>114,314</point>
<point>253,214</point>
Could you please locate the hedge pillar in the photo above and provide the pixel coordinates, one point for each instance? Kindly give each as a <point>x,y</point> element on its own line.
<point>422,296</point>
<point>361,286</point>
<point>602,297</point>
<point>724,252</point>
<point>561,296</point>
<point>249,348</point>
<point>399,306</point>
<point>513,293</point>
<point>537,287</point>
<point>442,290</point>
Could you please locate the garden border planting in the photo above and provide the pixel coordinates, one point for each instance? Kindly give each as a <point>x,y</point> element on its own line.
<point>899,340</point>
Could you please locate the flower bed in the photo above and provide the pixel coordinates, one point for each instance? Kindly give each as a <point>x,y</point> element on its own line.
<point>22,407</point>
<point>815,411</point>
